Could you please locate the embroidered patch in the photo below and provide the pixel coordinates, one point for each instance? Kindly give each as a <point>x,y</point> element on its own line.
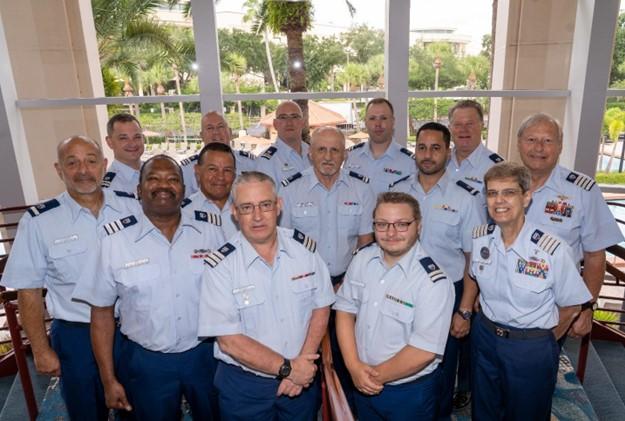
<point>201,253</point>
<point>135,263</point>
<point>43,207</point>
<point>305,240</point>
<point>217,256</point>
<point>120,224</point>
<point>434,272</point>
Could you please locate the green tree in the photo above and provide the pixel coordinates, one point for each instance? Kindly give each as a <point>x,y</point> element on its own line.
<point>363,43</point>
<point>322,55</point>
<point>618,56</point>
<point>236,65</point>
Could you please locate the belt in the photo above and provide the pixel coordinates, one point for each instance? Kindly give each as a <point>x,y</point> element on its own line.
<point>80,324</point>
<point>337,279</point>
<point>504,332</point>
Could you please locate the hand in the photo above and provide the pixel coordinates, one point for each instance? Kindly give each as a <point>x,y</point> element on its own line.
<point>303,369</point>
<point>115,396</point>
<point>288,388</point>
<point>363,376</point>
<point>582,325</point>
<point>459,327</point>
<point>47,362</point>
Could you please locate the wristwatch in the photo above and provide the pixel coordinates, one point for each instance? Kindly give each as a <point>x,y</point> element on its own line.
<point>285,370</point>
<point>592,305</point>
<point>465,314</point>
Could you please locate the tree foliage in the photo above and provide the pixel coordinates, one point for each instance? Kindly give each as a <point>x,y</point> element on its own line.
<point>363,42</point>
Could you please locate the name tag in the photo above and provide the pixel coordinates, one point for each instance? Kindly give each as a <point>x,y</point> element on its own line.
<point>243,289</point>
<point>64,240</point>
<point>135,263</point>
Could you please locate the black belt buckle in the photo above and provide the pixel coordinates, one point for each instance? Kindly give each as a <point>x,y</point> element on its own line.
<point>501,332</point>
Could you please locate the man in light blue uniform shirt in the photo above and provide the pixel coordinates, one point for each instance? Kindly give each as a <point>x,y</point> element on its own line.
<point>450,211</point>
<point>216,170</point>
<point>530,292</point>
<point>153,263</point>
<point>289,154</point>
<point>214,129</point>
<point>393,315</point>
<point>381,159</point>
<point>568,204</point>
<point>57,247</point>
<point>124,136</point>
<point>470,159</point>
<point>266,298</point>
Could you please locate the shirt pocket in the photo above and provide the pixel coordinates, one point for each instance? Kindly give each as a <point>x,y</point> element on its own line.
<point>137,285</point>
<point>67,260</point>
<point>445,228</point>
<point>359,293</point>
<point>349,218</point>
<point>249,299</point>
<point>396,322</point>
<point>529,291</point>
<point>305,218</point>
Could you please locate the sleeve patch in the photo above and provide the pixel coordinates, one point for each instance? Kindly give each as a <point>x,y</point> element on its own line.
<point>107,179</point>
<point>545,241</point>
<point>189,160</point>
<point>393,184</point>
<point>580,180</point>
<point>472,190</point>
<point>482,230</point>
<point>214,258</point>
<point>431,268</point>
<point>496,158</point>
<point>291,179</point>
<point>211,218</point>
<point>186,201</point>
<point>356,146</point>
<point>360,177</point>
<point>406,151</point>
<point>355,252</point>
<point>269,153</point>
<point>305,240</point>
<point>125,194</point>
<point>116,226</point>
<point>247,155</point>
<point>43,207</point>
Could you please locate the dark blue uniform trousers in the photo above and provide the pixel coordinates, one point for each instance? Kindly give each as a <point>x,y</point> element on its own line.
<point>449,365</point>
<point>415,400</point>
<point>246,396</point>
<point>155,381</point>
<point>513,379</point>
<point>81,387</point>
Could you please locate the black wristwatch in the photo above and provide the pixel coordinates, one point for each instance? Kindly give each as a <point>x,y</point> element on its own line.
<point>285,370</point>
<point>592,305</point>
<point>465,314</point>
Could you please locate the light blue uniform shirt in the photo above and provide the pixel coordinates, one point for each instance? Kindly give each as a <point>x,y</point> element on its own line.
<point>472,169</point>
<point>121,177</point>
<point>396,162</point>
<point>57,247</point>
<point>272,304</point>
<point>334,218</point>
<point>571,206</point>
<point>408,304</point>
<point>157,282</point>
<point>245,161</point>
<point>280,161</point>
<point>522,286</point>
<point>198,201</point>
<point>448,215</point>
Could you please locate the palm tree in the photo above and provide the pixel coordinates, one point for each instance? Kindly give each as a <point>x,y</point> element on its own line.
<point>236,65</point>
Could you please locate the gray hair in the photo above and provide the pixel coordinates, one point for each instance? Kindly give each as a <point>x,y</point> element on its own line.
<point>323,129</point>
<point>509,170</point>
<point>538,118</point>
<point>252,177</point>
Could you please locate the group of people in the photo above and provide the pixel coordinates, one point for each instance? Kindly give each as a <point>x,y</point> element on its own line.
<point>443,276</point>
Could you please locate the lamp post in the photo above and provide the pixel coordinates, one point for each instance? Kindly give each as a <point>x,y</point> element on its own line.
<point>437,68</point>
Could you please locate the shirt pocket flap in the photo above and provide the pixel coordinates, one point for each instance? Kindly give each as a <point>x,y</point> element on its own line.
<point>70,248</point>
<point>530,283</point>
<point>403,313</point>
<point>248,296</point>
<point>302,285</point>
<point>448,217</point>
<point>304,211</point>
<point>350,209</point>
<point>139,274</point>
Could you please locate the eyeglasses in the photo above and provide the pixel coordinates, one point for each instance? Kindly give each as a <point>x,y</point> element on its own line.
<point>531,141</point>
<point>400,226</point>
<point>264,206</point>
<point>285,117</point>
<point>505,193</point>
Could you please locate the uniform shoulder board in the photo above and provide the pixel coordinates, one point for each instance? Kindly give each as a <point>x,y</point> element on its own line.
<point>495,157</point>
<point>361,177</point>
<point>355,252</point>
<point>356,146</point>
<point>189,160</point>
<point>580,180</point>
<point>291,179</point>
<point>472,190</point>
<point>268,154</point>
<point>211,218</point>
<point>406,151</point>
<point>217,256</point>
<point>306,241</point>
<point>43,207</point>
<point>185,202</point>
<point>482,230</point>
<point>394,183</point>
<point>431,268</point>
<point>107,179</point>
<point>125,194</point>
<point>116,226</point>
<point>545,241</point>
<point>247,155</point>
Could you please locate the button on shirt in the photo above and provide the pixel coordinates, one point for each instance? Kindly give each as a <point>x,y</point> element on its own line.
<point>157,282</point>
<point>58,249</point>
<point>522,286</point>
<point>383,171</point>
<point>201,203</point>
<point>334,218</point>
<point>125,178</point>
<point>284,162</point>
<point>575,214</point>
<point>396,307</point>
<point>472,169</point>
<point>448,215</point>
<point>244,162</point>
<point>271,304</point>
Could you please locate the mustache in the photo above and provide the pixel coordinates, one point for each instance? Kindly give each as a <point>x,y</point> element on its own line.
<point>157,192</point>
<point>84,177</point>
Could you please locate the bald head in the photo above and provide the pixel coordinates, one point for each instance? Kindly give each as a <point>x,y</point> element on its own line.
<point>214,128</point>
<point>65,144</point>
<point>328,132</point>
<point>80,165</point>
